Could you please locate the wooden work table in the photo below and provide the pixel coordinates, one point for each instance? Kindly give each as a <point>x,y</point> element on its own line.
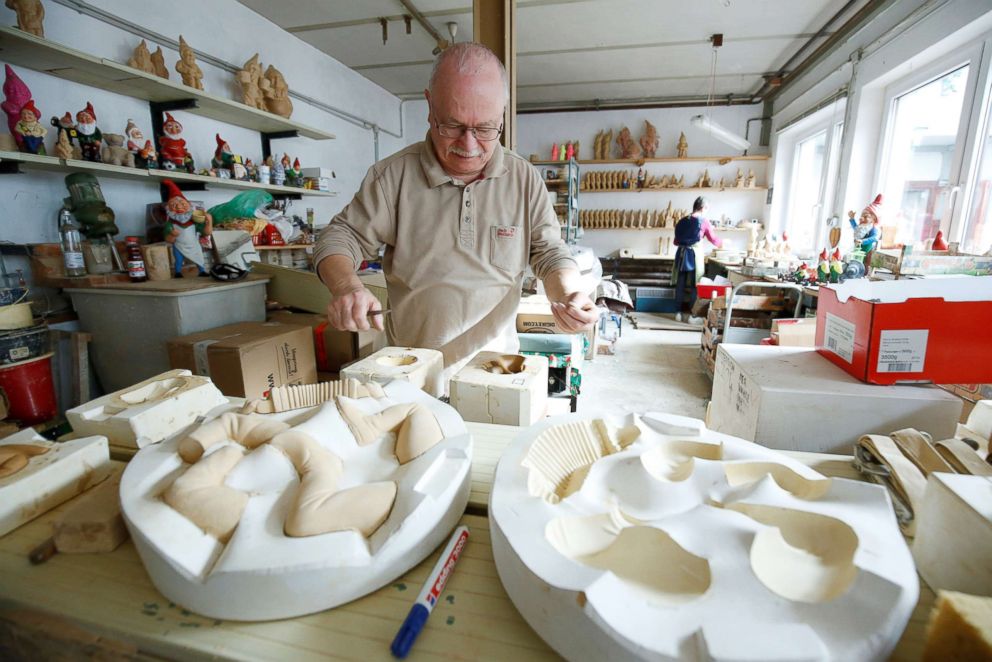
<point>105,604</point>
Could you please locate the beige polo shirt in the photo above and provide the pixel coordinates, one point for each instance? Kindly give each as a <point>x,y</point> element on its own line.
<point>455,254</point>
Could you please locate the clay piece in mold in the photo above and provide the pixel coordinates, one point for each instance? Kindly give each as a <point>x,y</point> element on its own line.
<point>249,431</point>
<point>416,428</point>
<point>803,487</point>
<point>201,496</point>
<point>419,366</point>
<point>14,457</point>
<point>287,398</point>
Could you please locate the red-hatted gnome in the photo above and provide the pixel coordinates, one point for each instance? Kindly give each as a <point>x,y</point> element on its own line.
<point>172,148</point>
<point>144,153</point>
<point>90,137</point>
<point>30,130</point>
<point>183,227</point>
<point>866,232</point>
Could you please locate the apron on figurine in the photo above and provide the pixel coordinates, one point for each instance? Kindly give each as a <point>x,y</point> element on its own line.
<point>687,256</point>
<point>187,244</point>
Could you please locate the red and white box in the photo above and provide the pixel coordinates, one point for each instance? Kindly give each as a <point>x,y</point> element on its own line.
<point>935,330</point>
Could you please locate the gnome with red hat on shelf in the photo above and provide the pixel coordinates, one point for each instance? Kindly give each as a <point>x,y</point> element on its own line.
<point>172,148</point>
<point>223,156</point>
<point>143,151</point>
<point>90,137</point>
<point>30,130</point>
<point>866,232</point>
<point>183,227</point>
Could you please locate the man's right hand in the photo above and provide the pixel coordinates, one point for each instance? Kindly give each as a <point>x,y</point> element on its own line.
<point>350,311</point>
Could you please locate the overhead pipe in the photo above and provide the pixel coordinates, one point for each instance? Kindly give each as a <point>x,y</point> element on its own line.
<point>441,43</point>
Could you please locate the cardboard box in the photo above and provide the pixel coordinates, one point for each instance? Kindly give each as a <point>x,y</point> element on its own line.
<point>934,330</point>
<point>795,332</point>
<point>792,398</point>
<point>303,290</point>
<point>534,316</point>
<point>332,348</point>
<point>519,397</point>
<point>249,358</point>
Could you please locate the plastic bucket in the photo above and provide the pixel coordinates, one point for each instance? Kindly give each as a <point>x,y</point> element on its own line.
<point>23,344</point>
<point>30,390</point>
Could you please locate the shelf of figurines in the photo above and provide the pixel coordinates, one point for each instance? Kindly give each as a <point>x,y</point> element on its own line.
<point>721,160</point>
<point>640,219</point>
<point>39,162</point>
<point>687,189</point>
<point>26,50</point>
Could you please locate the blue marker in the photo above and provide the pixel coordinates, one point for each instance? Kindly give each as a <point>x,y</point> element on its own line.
<point>430,594</point>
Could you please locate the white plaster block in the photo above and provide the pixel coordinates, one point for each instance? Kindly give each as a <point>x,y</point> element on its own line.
<point>516,394</point>
<point>980,420</point>
<point>149,411</point>
<point>260,573</point>
<point>421,367</point>
<point>953,544</point>
<point>65,470</point>
<point>656,538</point>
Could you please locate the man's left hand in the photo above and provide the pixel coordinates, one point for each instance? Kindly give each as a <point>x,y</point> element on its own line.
<point>575,312</point>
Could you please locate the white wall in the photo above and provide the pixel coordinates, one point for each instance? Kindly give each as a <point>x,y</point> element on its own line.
<point>537,132</point>
<point>224,29</point>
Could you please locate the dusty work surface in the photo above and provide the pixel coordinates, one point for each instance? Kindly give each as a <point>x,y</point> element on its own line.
<point>177,285</point>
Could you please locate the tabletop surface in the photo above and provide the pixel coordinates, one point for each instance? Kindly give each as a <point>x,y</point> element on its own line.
<point>79,603</point>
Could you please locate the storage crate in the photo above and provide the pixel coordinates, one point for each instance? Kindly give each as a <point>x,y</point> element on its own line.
<point>655,300</point>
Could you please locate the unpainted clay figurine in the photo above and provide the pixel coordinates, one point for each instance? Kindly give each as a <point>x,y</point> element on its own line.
<point>187,67</point>
<point>251,80</point>
<point>141,59</point>
<point>114,152</point>
<point>30,16</point>
<point>63,148</point>
<point>683,147</point>
<point>628,148</point>
<point>67,134</point>
<point>277,94</point>
<point>649,141</point>
<point>739,182</point>
<point>158,64</point>
<point>31,132</point>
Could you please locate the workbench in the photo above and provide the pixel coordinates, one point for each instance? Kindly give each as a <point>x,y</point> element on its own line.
<point>105,605</point>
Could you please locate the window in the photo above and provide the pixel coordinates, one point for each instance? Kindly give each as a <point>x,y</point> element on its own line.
<point>920,162</point>
<point>804,193</point>
<point>977,236</point>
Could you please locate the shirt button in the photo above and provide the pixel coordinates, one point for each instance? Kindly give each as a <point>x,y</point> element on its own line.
<point>468,203</point>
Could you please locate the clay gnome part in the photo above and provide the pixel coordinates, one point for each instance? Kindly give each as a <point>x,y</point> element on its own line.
<point>158,64</point>
<point>90,137</point>
<point>172,147</point>
<point>866,232</point>
<point>30,130</point>
<point>182,229</point>
<point>68,134</point>
<point>187,67</point>
<point>277,93</point>
<point>628,148</point>
<point>114,151</point>
<point>251,80</point>
<point>14,457</point>
<point>16,94</point>
<point>30,16</point>
<point>141,59</point>
<point>63,148</point>
<point>683,147</point>
<point>649,141</point>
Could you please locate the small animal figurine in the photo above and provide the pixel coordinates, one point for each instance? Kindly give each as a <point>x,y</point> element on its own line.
<point>683,147</point>
<point>30,16</point>
<point>187,67</point>
<point>114,152</point>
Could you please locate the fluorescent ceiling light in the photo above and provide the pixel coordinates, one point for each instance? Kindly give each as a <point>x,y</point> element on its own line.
<point>720,133</point>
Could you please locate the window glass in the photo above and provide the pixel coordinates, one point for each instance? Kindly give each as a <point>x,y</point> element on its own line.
<point>924,128</point>
<point>978,229</point>
<point>804,192</point>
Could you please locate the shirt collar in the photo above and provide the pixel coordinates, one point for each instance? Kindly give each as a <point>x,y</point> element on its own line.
<point>435,172</point>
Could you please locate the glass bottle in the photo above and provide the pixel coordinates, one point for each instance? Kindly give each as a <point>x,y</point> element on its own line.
<point>135,261</point>
<point>72,244</point>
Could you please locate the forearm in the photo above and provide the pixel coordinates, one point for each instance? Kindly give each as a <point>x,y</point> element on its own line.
<point>561,282</point>
<point>337,272</point>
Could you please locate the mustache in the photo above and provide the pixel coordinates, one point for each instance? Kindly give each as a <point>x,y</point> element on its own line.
<point>464,153</point>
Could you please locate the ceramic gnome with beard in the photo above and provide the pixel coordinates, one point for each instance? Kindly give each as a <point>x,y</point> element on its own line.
<point>172,148</point>
<point>183,228</point>
<point>143,151</point>
<point>30,130</point>
<point>90,137</point>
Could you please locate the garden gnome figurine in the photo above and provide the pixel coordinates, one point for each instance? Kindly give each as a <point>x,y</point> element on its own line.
<point>938,242</point>
<point>90,137</point>
<point>683,147</point>
<point>30,15</point>
<point>30,130</point>
<point>866,234</point>
<point>144,153</point>
<point>836,266</point>
<point>187,67</point>
<point>223,155</point>
<point>823,267</point>
<point>182,229</point>
<point>16,94</point>
<point>172,147</point>
<point>554,151</point>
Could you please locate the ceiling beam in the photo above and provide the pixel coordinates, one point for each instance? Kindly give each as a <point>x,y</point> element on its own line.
<point>494,24</point>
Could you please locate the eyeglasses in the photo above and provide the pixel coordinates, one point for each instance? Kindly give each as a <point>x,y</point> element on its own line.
<point>482,133</point>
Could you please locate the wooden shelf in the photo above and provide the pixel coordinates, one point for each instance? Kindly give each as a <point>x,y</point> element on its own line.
<point>26,50</point>
<point>675,159</point>
<point>284,248</point>
<point>665,229</point>
<point>51,163</point>
<point>688,189</point>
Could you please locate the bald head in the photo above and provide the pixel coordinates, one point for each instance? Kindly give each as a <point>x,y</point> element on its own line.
<point>467,60</point>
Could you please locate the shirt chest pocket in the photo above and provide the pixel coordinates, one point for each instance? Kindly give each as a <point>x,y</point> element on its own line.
<point>506,247</point>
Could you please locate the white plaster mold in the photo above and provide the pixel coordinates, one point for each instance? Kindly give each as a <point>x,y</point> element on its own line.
<point>421,367</point>
<point>258,517</point>
<point>149,411</point>
<point>502,389</point>
<point>50,477</point>
<point>655,538</point>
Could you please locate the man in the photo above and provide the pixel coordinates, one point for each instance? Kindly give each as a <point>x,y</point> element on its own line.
<point>460,218</point>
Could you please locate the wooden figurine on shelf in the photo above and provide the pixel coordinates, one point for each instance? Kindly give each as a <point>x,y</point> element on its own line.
<point>683,146</point>
<point>141,59</point>
<point>187,67</point>
<point>649,141</point>
<point>183,227</point>
<point>30,16</point>
<point>16,94</point>
<point>750,183</point>
<point>90,137</point>
<point>253,83</point>
<point>739,182</point>
<point>31,132</point>
<point>172,147</point>
<point>277,94</point>
<point>628,147</point>
<point>114,151</point>
<point>158,64</point>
